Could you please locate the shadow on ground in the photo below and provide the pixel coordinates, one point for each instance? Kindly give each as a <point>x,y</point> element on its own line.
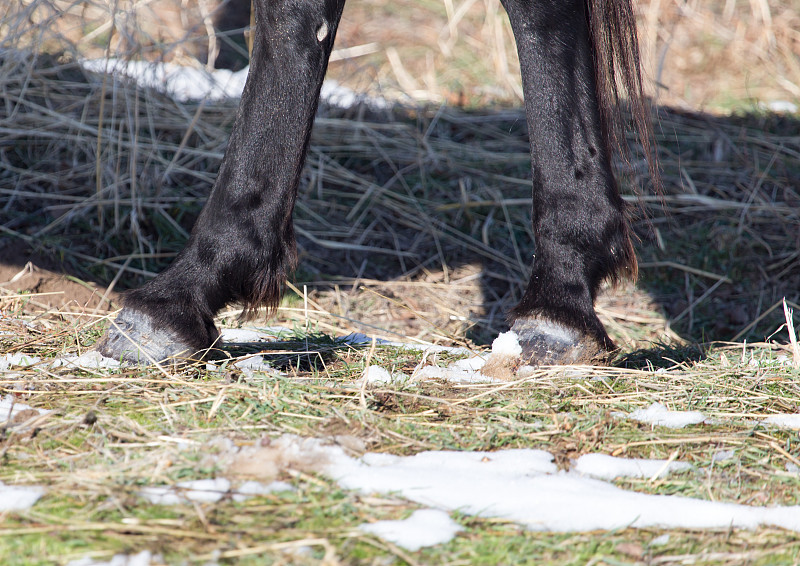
<point>411,223</point>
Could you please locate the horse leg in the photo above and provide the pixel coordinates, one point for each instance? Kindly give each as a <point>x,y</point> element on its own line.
<point>242,245</point>
<point>579,224</point>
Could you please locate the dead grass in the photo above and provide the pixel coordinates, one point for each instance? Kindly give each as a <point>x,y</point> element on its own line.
<point>413,224</point>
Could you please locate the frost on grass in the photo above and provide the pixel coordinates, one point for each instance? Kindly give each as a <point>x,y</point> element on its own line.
<point>658,414</point>
<point>19,498</point>
<point>425,527</point>
<point>607,467</point>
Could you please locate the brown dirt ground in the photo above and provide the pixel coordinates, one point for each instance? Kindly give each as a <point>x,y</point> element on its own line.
<point>29,287</point>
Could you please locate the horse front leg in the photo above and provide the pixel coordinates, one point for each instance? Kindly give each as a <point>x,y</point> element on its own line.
<point>242,245</point>
<point>579,224</point>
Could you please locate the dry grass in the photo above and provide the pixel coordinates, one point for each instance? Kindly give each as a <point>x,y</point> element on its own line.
<point>413,223</point>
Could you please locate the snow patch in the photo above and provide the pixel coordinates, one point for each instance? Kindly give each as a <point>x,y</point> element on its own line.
<point>507,344</point>
<point>180,82</point>
<point>17,360</point>
<point>208,491</point>
<point>425,527</point>
<point>19,497</point>
<point>524,486</point>
<point>658,414</point>
<point>250,365</point>
<point>790,421</point>
<point>378,375</point>
<point>723,455</point>
<point>607,467</point>
<point>143,558</point>
<point>193,83</point>
<point>87,360</point>
<point>455,373</point>
<point>10,409</point>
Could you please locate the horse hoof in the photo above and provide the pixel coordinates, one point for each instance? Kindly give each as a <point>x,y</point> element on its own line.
<point>132,338</point>
<point>546,343</point>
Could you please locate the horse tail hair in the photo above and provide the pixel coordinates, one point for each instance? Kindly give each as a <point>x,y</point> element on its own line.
<point>612,25</point>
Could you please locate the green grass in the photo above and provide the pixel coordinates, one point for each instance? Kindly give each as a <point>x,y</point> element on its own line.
<point>94,467</point>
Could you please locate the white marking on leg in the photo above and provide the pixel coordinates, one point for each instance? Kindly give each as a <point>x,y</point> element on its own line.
<point>322,31</point>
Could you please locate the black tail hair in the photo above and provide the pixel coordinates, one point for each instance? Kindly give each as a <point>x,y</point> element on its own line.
<point>612,25</point>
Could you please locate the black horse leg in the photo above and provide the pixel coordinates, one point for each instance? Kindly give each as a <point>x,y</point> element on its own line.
<point>578,216</point>
<point>242,245</point>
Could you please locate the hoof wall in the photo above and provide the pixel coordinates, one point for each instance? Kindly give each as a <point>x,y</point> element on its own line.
<point>546,343</point>
<point>132,338</point>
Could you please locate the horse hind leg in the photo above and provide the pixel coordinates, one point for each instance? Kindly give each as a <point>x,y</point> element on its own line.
<point>579,224</point>
<point>242,245</point>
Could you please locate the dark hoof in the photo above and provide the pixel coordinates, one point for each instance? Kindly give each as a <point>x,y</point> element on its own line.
<point>133,338</point>
<point>546,343</point>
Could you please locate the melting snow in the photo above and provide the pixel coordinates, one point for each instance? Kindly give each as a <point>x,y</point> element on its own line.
<point>658,414</point>
<point>378,375</point>
<point>507,344</point>
<point>608,467</point>
<point>425,527</point>
<point>17,360</point>
<point>9,409</point>
<point>723,455</point>
<point>87,360</point>
<point>208,491</point>
<point>19,497</point>
<point>524,486</point>
<point>143,558</point>
<point>252,334</point>
<point>791,421</point>
<point>191,83</point>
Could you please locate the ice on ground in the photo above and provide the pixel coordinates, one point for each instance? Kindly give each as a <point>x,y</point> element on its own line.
<point>19,497</point>
<point>790,421</point>
<point>10,410</point>
<point>87,360</point>
<point>208,491</point>
<point>425,527</point>
<point>608,467</point>
<point>143,558</point>
<point>658,414</point>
